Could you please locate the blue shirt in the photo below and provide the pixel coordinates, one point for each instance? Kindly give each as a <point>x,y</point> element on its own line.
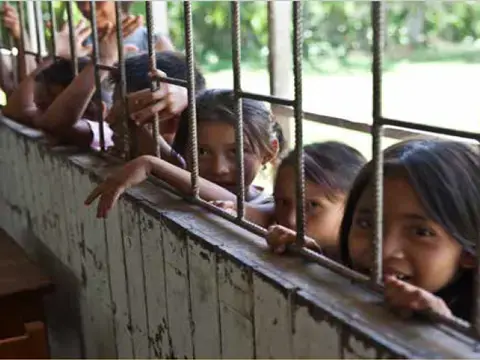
<point>139,38</point>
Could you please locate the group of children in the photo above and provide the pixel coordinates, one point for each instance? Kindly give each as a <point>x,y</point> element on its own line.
<point>431,186</point>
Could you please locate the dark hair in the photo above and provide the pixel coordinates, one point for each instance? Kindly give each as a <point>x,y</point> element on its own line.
<point>332,164</point>
<point>172,63</point>
<point>61,73</point>
<point>218,105</point>
<point>445,176</point>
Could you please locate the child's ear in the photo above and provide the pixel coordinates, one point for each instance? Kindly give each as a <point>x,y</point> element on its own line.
<point>276,148</point>
<point>467,260</point>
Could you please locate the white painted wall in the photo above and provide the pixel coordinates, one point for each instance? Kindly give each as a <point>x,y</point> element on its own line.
<point>164,279</point>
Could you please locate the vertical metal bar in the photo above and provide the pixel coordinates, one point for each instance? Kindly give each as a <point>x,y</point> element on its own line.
<point>71,31</point>
<point>9,42</point>
<point>153,67</point>
<point>237,89</point>
<point>21,19</point>
<point>98,82</point>
<point>298,114</point>
<point>377,130</point>
<point>123,84</point>
<point>14,55</point>
<point>53,27</point>
<point>37,31</point>
<point>192,111</point>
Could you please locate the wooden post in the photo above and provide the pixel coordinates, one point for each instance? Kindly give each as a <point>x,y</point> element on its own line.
<point>280,59</point>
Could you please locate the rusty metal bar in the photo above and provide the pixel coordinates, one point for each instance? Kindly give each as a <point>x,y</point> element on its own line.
<point>123,84</point>
<point>53,27</point>
<point>393,133</point>
<point>72,36</point>
<point>298,114</point>
<point>98,82</point>
<point>377,50</point>
<point>153,67</point>
<point>192,111</point>
<point>270,98</point>
<point>237,93</point>
<point>427,128</point>
<point>37,31</point>
<point>21,19</point>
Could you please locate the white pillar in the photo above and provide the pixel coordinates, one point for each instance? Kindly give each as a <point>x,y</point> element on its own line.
<point>160,17</point>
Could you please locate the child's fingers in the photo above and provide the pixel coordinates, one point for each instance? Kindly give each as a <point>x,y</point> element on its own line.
<point>84,34</point>
<point>130,24</point>
<point>111,200</point>
<point>278,239</point>
<point>157,74</point>
<point>140,99</point>
<point>145,115</point>
<point>94,194</point>
<point>280,249</point>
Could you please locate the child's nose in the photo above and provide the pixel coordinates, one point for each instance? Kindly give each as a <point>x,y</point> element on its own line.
<point>220,166</point>
<point>291,220</point>
<point>392,246</point>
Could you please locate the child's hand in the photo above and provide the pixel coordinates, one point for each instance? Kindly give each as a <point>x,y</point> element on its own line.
<point>406,298</point>
<point>11,21</point>
<point>278,237</point>
<point>228,206</point>
<point>131,23</point>
<point>133,173</point>
<point>168,101</point>
<point>82,32</point>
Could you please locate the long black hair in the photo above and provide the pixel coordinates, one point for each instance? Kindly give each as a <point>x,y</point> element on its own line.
<point>219,105</point>
<point>331,164</point>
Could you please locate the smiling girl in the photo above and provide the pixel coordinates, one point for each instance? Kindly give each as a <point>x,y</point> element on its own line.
<point>431,225</point>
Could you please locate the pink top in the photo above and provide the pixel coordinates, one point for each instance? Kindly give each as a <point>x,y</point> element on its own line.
<point>107,132</point>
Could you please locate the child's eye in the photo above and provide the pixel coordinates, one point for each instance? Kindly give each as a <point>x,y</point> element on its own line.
<point>363,223</point>
<point>313,205</point>
<point>423,231</point>
<point>202,152</point>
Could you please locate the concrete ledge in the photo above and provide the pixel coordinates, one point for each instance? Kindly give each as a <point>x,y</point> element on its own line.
<point>163,278</point>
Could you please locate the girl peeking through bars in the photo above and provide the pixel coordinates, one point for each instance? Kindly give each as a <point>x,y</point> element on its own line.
<point>330,170</point>
<point>216,153</point>
<point>431,225</point>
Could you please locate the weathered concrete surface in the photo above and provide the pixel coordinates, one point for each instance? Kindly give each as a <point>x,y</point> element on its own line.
<point>162,278</point>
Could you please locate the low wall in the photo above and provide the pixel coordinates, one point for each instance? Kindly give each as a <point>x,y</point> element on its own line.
<point>163,278</point>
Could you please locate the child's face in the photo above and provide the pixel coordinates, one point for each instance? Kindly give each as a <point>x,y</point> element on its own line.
<point>216,155</point>
<point>322,216</point>
<point>415,248</point>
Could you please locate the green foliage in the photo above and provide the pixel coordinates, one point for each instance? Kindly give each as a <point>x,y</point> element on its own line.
<point>337,31</point>
<point>333,29</point>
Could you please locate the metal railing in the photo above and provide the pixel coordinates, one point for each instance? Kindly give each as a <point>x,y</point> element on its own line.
<point>291,107</point>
